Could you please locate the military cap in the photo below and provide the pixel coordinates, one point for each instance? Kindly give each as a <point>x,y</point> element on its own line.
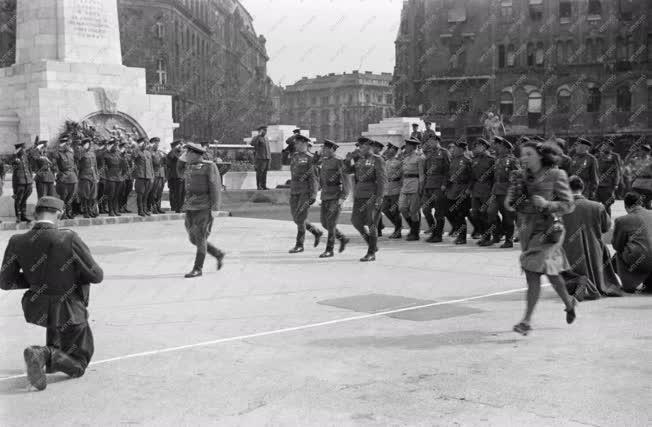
<point>646,147</point>
<point>302,138</point>
<point>363,140</point>
<point>50,202</point>
<point>297,130</point>
<point>461,143</point>
<point>585,142</point>
<point>192,146</point>
<point>484,142</point>
<point>377,143</point>
<point>392,145</point>
<point>538,138</point>
<point>415,125</point>
<point>261,127</point>
<point>428,122</point>
<point>503,141</point>
<point>155,139</point>
<point>561,142</point>
<point>64,138</point>
<point>175,143</point>
<point>42,142</point>
<point>17,146</point>
<point>412,141</point>
<point>331,144</point>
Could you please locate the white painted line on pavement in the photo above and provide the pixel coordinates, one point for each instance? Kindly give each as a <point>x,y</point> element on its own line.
<point>291,329</point>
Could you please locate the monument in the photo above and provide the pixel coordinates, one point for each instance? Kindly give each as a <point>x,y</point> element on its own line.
<point>69,67</point>
<point>394,129</point>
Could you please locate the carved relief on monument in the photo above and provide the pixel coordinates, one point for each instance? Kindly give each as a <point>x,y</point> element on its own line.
<point>115,125</point>
<point>106,99</point>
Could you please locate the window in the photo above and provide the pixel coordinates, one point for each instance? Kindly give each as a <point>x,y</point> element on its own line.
<point>506,104</point>
<point>452,107</point>
<point>621,49</point>
<point>539,54</point>
<point>593,104</point>
<point>313,100</point>
<point>595,7</point>
<point>623,99</point>
<point>599,48</point>
<point>536,10</point>
<point>530,54</point>
<point>506,10</point>
<point>563,101</point>
<point>564,12</point>
<point>534,108</point>
<point>379,98</point>
<point>324,100</point>
<point>160,30</point>
<point>501,56</point>
<point>350,99</point>
<point>511,56</point>
<point>161,72</point>
<point>388,99</point>
<point>625,7</point>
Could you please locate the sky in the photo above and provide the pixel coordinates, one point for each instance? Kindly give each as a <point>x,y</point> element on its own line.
<point>317,37</point>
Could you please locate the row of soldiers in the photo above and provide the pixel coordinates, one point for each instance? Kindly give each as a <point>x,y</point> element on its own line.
<point>94,176</point>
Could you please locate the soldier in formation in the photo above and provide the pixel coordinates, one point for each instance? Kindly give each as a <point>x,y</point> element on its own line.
<point>158,182</point>
<point>335,188</point>
<point>413,178</point>
<point>482,178</point>
<point>43,169</point>
<point>437,167</point>
<point>66,178</point>
<point>585,165</point>
<point>88,179</point>
<point>175,180</point>
<point>458,190</point>
<point>393,173</point>
<point>21,182</point>
<point>144,174</point>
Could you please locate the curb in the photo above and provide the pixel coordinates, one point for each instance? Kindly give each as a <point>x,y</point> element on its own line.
<point>108,220</point>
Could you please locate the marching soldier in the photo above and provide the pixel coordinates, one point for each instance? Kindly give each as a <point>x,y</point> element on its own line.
<point>416,134</point>
<point>66,176</point>
<point>303,192</point>
<point>437,168</point>
<point>113,166</point>
<point>610,167</point>
<point>203,186</point>
<point>56,268</point>
<point>88,179</point>
<point>144,173</point>
<point>482,178</point>
<point>585,165</point>
<point>377,148</point>
<point>21,182</point>
<point>369,191</point>
<point>44,170</point>
<point>175,181</point>
<point>458,190</point>
<point>413,181</point>
<point>505,163</point>
<point>158,164</point>
<point>335,188</point>
<point>393,172</point>
<point>429,133</point>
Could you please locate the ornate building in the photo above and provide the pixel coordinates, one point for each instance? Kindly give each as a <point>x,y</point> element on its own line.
<point>548,67</point>
<point>338,106</point>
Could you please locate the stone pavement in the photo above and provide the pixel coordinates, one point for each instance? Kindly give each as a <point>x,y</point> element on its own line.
<point>275,339</point>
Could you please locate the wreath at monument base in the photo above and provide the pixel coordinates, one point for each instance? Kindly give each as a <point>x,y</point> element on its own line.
<point>78,131</point>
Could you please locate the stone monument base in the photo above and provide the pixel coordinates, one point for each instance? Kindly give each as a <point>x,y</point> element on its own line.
<point>394,129</point>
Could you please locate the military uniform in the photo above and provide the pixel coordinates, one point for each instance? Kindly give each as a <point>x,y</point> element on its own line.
<point>57,294</point>
<point>21,181</point>
<point>158,183</point>
<point>66,178</point>
<point>144,174</point>
<point>504,225</point>
<point>457,192</point>
<point>127,184</point>
<point>262,158</point>
<point>303,192</point>
<point>610,167</point>
<point>393,172</point>
<point>417,135</point>
<point>410,198</point>
<point>482,177</point>
<point>175,180</point>
<point>100,152</point>
<point>44,173</point>
<point>113,166</point>
<point>427,135</point>
<point>88,179</point>
<point>437,169</point>
<point>335,188</point>
<point>586,167</point>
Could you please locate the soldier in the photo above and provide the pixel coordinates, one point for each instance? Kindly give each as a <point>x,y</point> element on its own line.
<point>100,152</point>
<point>482,179</point>
<point>458,190</point>
<point>393,172</point>
<point>127,185</point>
<point>66,175</point>
<point>289,149</point>
<point>585,165</point>
<point>56,268</point>
<point>77,153</point>
<point>208,155</point>
<point>158,164</point>
<point>416,134</point>
<point>262,157</point>
<point>377,148</point>
<point>21,182</point>
<point>44,170</point>
<point>437,167</point>
<point>303,192</point>
<point>610,167</point>
<point>505,163</point>
<point>175,181</point>
<point>88,179</point>
<point>203,186</point>
<point>144,173</point>
<point>369,191</point>
<point>113,166</point>
<point>335,189</point>
<point>412,187</point>
<point>429,133</point>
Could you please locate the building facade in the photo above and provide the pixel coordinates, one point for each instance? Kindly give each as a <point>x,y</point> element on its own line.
<point>548,67</point>
<point>338,106</point>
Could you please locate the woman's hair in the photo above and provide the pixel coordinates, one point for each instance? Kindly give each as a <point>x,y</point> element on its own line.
<point>550,153</point>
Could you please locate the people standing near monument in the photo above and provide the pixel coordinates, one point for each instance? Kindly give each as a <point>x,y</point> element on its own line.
<point>21,181</point>
<point>429,133</point>
<point>43,170</point>
<point>66,175</point>
<point>393,173</point>
<point>437,167</point>
<point>158,183</point>
<point>262,157</point>
<point>113,166</point>
<point>203,187</point>
<point>304,184</point>
<point>127,184</point>
<point>585,165</point>
<point>56,298</point>
<point>144,174</point>
<point>100,152</point>
<point>175,181</point>
<point>88,179</point>
<point>412,170</point>
<point>482,179</point>
<point>610,167</point>
<point>416,133</point>
<point>458,191</point>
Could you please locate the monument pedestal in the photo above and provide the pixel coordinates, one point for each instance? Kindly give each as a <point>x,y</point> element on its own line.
<point>394,129</point>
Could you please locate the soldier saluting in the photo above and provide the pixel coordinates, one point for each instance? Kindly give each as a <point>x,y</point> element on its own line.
<point>175,181</point>
<point>22,182</point>
<point>44,170</point>
<point>57,268</point>
<point>88,179</point>
<point>66,175</point>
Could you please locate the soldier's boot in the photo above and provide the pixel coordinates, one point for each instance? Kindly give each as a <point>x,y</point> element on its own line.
<point>61,362</point>
<point>35,360</point>
<point>330,245</point>
<point>199,265</point>
<point>116,207</point>
<point>497,238</point>
<point>139,202</point>
<point>370,256</point>
<point>381,227</point>
<point>85,209</point>
<point>217,254</point>
<point>159,208</point>
<point>298,247</point>
<point>461,235</point>
<point>414,231</point>
<point>343,240</point>
<point>315,232</point>
<point>23,217</point>
<point>434,238</point>
<point>509,243</point>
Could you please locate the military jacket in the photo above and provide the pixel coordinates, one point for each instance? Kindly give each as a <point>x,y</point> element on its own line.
<point>586,167</point>
<point>113,166</point>
<point>482,175</point>
<point>437,167</point>
<point>88,167</point>
<point>459,178</point>
<point>370,177</point>
<point>412,173</point>
<point>333,180</point>
<point>503,168</point>
<point>303,174</point>
<point>22,172</point>
<point>203,186</point>
<point>394,173</point>
<point>66,167</point>
<point>158,164</point>
<point>143,164</point>
<point>610,167</point>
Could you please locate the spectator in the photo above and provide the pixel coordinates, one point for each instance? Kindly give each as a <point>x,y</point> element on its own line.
<point>632,241</point>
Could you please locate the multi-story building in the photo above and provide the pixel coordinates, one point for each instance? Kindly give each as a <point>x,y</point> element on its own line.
<point>338,106</point>
<point>548,67</point>
<point>204,53</point>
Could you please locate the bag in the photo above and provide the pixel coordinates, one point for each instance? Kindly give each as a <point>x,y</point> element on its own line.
<point>555,229</point>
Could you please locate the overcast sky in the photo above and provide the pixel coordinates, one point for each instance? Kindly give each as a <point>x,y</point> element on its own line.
<point>310,37</point>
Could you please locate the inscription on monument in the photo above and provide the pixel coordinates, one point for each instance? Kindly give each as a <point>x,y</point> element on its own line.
<point>89,19</point>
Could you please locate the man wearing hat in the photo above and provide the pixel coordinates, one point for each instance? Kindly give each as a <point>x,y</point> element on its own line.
<point>409,201</point>
<point>44,170</point>
<point>144,174</point>
<point>437,167</point>
<point>88,179</point>
<point>21,180</point>
<point>377,148</point>
<point>416,134</point>
<point>505,163</point>
<point>289,149</point>
<point>126,186</point>
<point>175,180</point>
<point>335,188</point>
<point>585,165</point>
<point>565,161</point>
<point>113,169</point>
<point>304,184</point>
<point>56,297</point>
<point>369,191</point>
<point>458,190</point>
<point>158,182</point>
<point>100,152</point>
<point>66,175</point>
<point>262,157</point>
<point>203,187</point>
<point>393,172</point>
<point>482,180</point>
<point>428,133</point>
<point>610,167</point>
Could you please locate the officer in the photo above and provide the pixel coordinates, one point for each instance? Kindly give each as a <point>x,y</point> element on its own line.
<point>113,166</point>
<point>262,157</point>
<point>56,268</point>
<point>458,191</point>
<point>44,170</point>
<point>158,164</point>
<point>208,155</point>
<point>610,167</point>
<point>289,149</point>
<point>21,180</point>
<point>88,179</point>
<point>203,187</point>
<point>416,134</point>
<point>335,188</point>
<point>505,163</point>
<point>585,165</point>
<point>144,173</point>
<point>437,168</point>
<point>369,191</point>
<point>303,192</point>
<point>127,185</point>
<point>100,152</point>
<point>393,172</point>
<point>409,202</point>
<point>482,179</point>
<point>77,153</point>
<point>66,175</point>
<point>377,148</point>
<point>175,181</point>
<point>428,133</point>
<point>565,161</point>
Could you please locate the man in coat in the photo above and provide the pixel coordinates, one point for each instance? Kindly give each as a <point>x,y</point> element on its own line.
<point>409,202</point>
<point>416,133</point>
<point>262,157</point>
<point>585,165</point>
<point>458,191</point>
<point>482,179</point>
<point>88,179</point>
<point>113,166</point>
<point>21,181</point>
<point>505,164</point>
<point>43,170</point>
<point>289,150</point>
<point>394,173</point>
<point>66,175</point>
<point>437,167</point>
<point>175,181</point>
<point>158,182</point>
<point>144,174</point>
<point>632,241</point>
<point>56,268</point>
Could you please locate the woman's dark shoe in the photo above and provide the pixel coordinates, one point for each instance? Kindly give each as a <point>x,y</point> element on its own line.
<point>522,328</point>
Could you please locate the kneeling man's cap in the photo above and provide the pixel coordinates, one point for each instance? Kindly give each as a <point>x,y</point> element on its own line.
<point>50,203</point>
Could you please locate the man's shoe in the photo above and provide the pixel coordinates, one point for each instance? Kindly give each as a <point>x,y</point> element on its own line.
<point>220,260</point>
<point>412,237</point>
<point>140,213</point>
<point>497,239</point>
<point>318,237</point>
<point>461,239</point>
<point>367,258</point>
<point>395,235</point>
<point>343,242</point>
<point>507,244</point>
<point>326,254</point>
<point>194,273</point>
<point>35,361</point>
<point>296,250</point>
<point>434,239</point>
<point>148,213</point>
<point>486,242</point>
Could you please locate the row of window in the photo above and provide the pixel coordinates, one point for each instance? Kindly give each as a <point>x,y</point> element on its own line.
<point>347,99</point>
<point>535,10</point>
